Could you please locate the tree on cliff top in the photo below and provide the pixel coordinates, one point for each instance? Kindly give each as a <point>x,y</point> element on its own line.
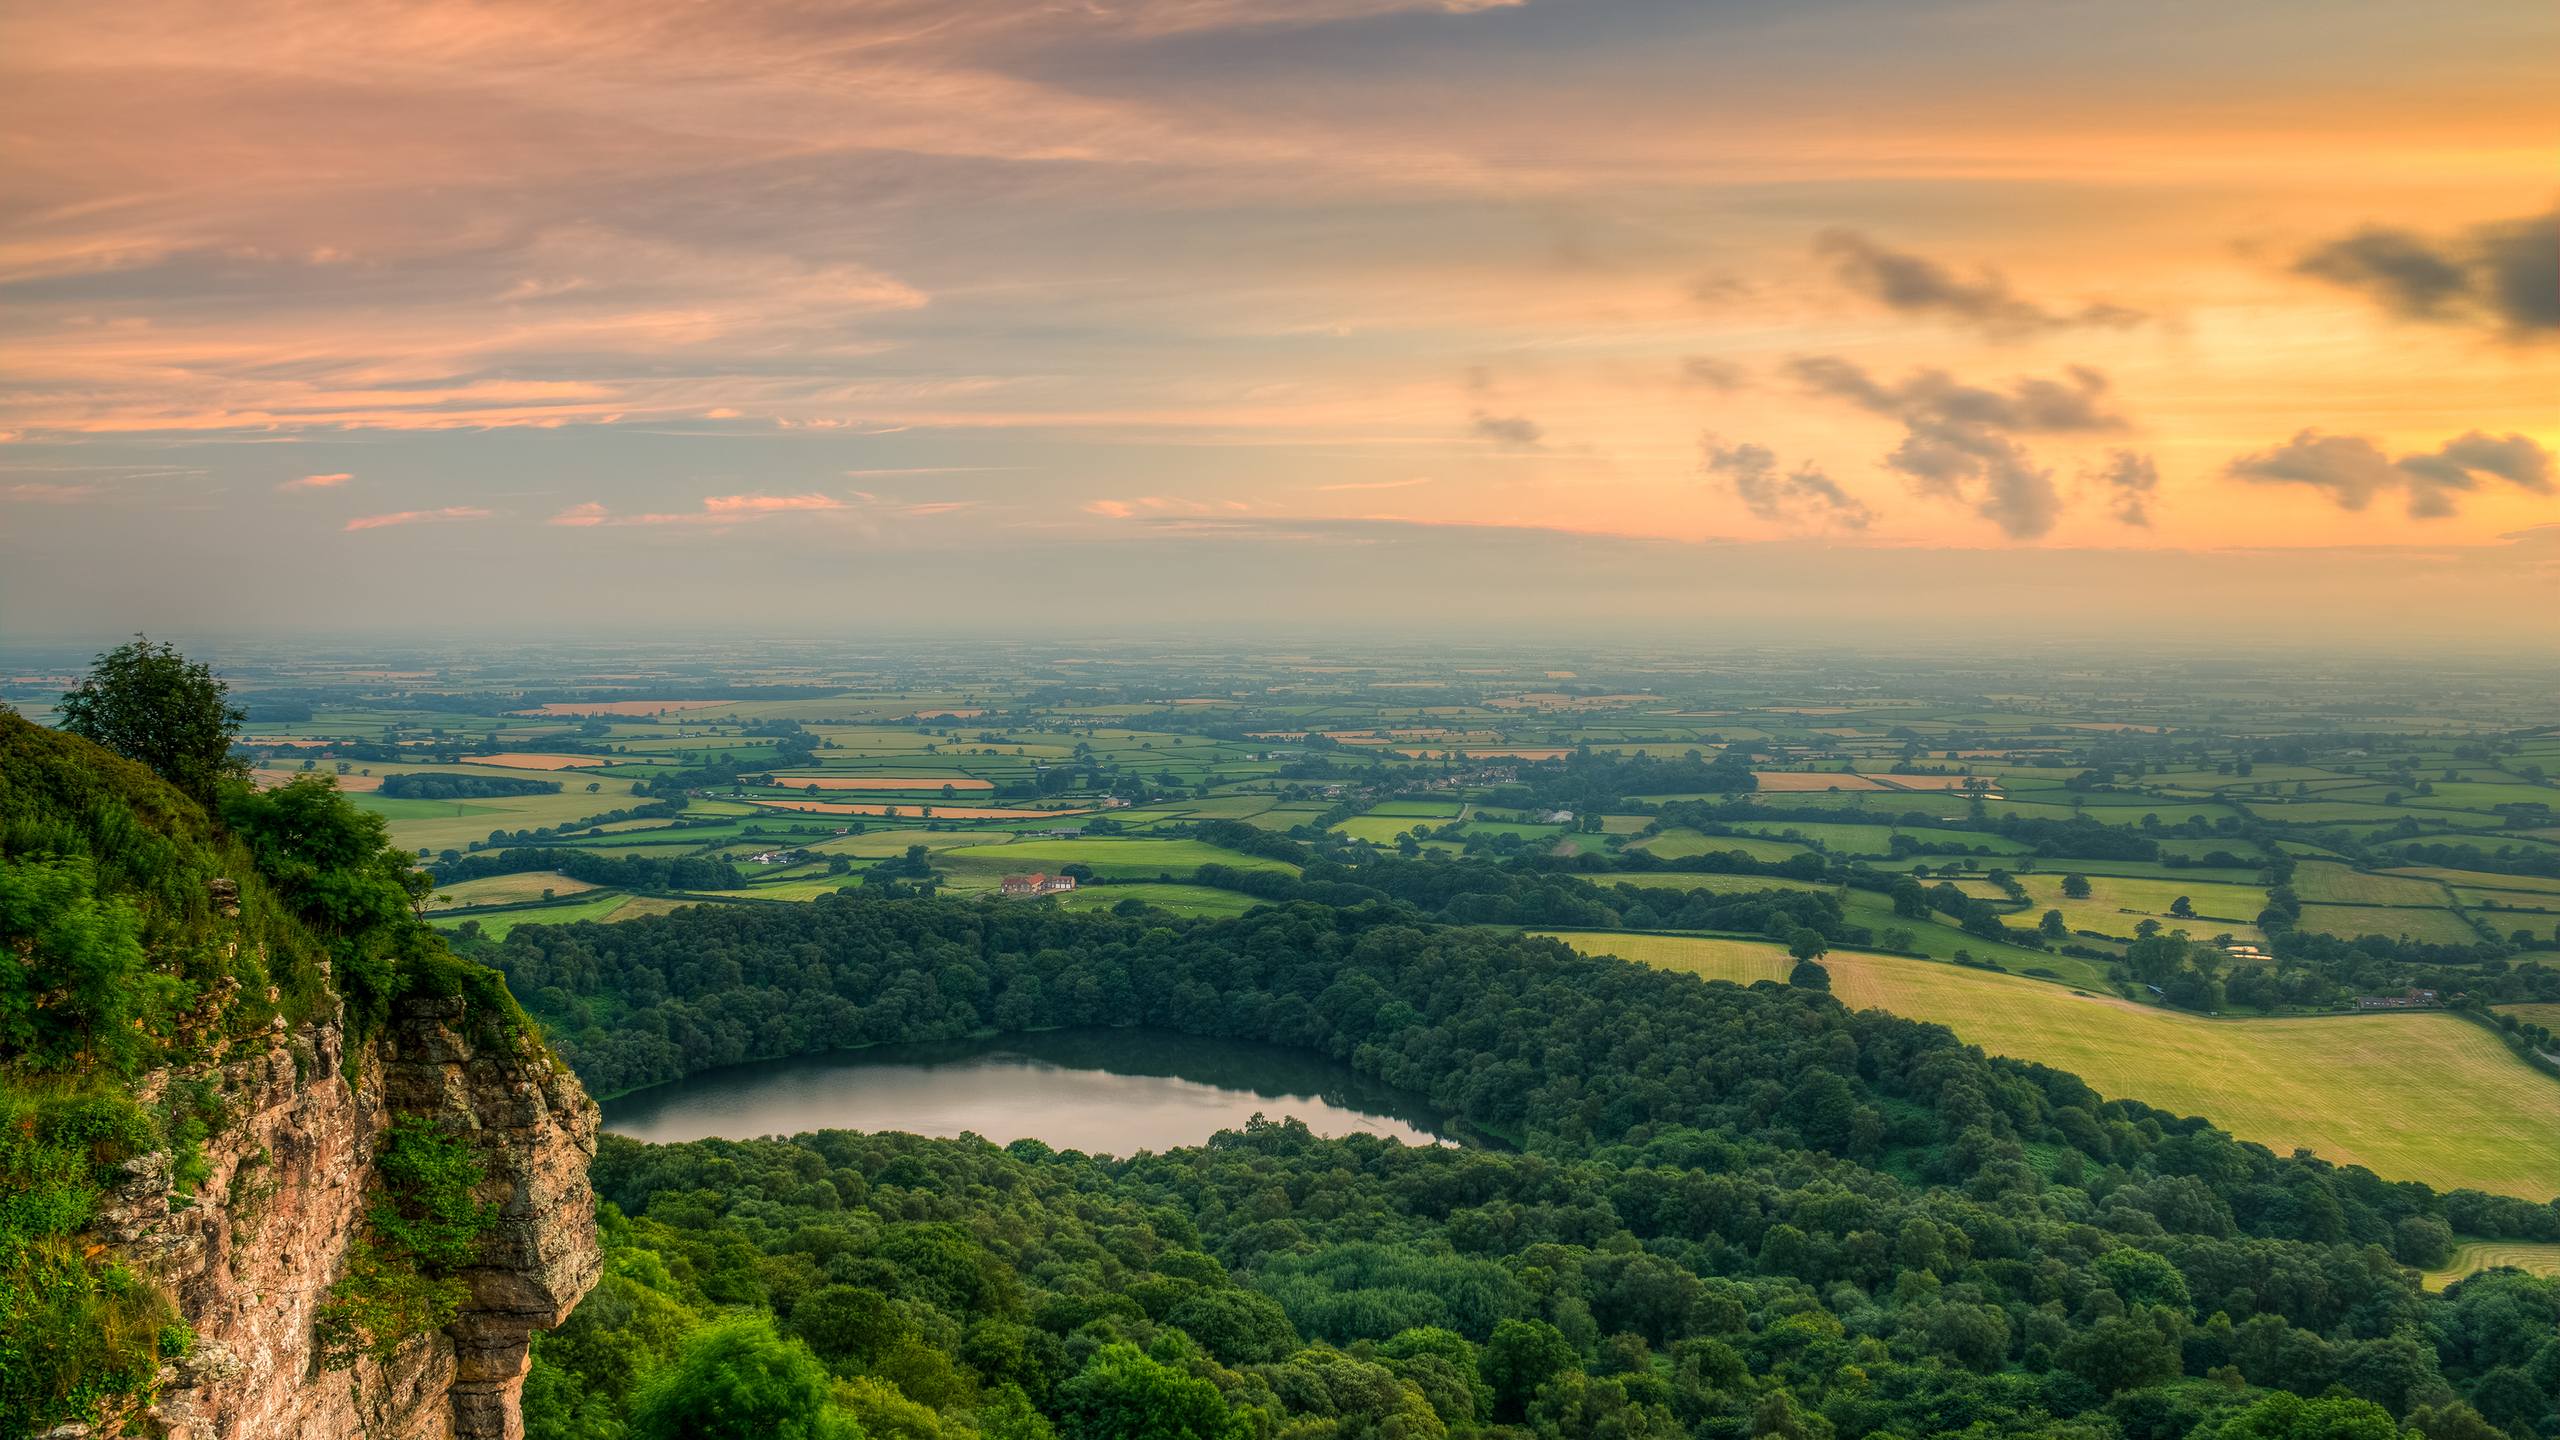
<point>149,703</point>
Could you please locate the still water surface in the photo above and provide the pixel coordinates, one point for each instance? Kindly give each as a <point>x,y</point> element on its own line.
<point>1110,1092</point>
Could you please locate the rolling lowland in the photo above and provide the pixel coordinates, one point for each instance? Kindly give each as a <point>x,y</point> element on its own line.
<point>1717,1209</point>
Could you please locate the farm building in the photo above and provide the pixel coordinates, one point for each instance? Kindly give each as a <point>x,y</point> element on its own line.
<point>2406,1000</point>
<point>1037,884</point>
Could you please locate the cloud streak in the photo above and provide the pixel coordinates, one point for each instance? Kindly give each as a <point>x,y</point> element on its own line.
<point>318,482</point>
<point>1911,284</point>
<point>2353,471</point>
<point>417,517</point>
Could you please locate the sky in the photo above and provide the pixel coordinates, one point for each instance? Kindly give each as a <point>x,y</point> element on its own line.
<point>1840,316</point>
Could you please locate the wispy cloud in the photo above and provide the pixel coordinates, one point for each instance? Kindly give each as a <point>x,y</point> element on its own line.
<point>2353,471</point>
<point>1916,285</point>
<point>2505,274</point>
<point>1958,440</point>
<point>318,482</point>
<point>716,510</point>
<point>45,492</point>
<point>1376,484</point>
<point>1803,497</point>
<point>1508,432</point>
<point>417,517</point>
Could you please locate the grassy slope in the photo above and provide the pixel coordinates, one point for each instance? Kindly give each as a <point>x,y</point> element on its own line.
<point>2418,1097</point>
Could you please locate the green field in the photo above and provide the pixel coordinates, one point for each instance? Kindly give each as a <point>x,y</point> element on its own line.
<point>2432,927</point>
<point>1111,858</point>
<point>2473,1256</point>
<point>2320,884</point>
<point>1681,844</point>
<point>1179,899</point>
<point>1847,839</point>
<point>594,905</point>
<point>504,889</point>
<point>1689,880</point>
<point>2118,903</point>
<point>2421,1096</point>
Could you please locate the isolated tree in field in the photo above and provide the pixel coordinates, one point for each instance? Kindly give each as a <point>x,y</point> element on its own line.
<point>2075,886</point>
<point>149,703</point>
<point>1808,944</point>
<point>2183,908</point>
<point>1809,975</point>
<point>2051,926</point>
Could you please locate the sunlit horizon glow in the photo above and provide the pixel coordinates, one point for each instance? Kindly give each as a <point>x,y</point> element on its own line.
<point>521,295</point>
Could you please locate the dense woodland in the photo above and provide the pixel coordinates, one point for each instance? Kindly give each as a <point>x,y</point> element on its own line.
<point>1731,1212</point>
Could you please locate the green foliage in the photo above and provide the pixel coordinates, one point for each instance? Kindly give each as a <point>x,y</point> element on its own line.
<point>738,1380</point>
<point>422,1224</point>
<point>81,994</point>
<point>2290,1417</point>
<point>76,1331</point>
<point>149,703</point>
<point>1125,1394</point>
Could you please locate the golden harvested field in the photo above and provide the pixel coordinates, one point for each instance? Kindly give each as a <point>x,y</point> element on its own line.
<point>2412,1097</point>
<point>527,760</point>
<point>882,782</point>
<point>2533,1257</point>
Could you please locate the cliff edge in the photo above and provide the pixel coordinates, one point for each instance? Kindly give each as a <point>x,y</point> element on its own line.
<point>274,1202</point>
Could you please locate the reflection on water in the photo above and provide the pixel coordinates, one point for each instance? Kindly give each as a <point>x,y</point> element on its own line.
<point>1109,1092</point>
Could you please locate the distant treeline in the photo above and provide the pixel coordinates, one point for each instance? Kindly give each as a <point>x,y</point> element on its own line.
<point>628,872</point>
<point>414,786</point>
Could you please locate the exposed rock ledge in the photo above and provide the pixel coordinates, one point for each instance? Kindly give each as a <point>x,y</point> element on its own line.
<point>251,1258</point>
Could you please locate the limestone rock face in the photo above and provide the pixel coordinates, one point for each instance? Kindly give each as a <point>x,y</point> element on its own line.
<point>251,1255</point>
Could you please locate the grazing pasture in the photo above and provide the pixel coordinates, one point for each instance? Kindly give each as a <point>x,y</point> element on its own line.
<point>1112,858</point>
<point>913,809</point>
<point>2319,883</point>
<point>504,889</point>
<point>2411,1096</point>
<point>842,781</point>
<point>1680,844</point>
<point>2117,904</point>
<point>1179,899</point>
<point>593,905</point>
<point>2430,927</point>
<point>531,760</point>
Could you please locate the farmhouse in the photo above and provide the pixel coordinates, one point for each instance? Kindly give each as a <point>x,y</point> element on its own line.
<point>2406,1000</point>
<point>1038,884</point>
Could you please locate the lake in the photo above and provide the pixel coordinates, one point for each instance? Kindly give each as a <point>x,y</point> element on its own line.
<point>1111,1092</point>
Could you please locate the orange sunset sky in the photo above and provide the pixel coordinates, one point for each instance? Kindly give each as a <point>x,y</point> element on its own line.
<point>2239,315</point>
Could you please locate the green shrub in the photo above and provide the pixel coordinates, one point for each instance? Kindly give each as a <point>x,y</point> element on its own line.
<point>423,1224</point>
<point>76,1330</point>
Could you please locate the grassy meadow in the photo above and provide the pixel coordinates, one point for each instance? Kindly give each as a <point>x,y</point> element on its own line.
<point>2412,1096</point>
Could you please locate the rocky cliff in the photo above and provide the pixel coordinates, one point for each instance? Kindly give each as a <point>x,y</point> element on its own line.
<point>251,1257</point>
<point>226,1043</point>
